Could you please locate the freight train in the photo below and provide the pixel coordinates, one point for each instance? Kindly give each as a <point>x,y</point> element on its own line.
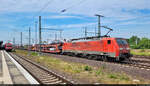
<point>104,48</point>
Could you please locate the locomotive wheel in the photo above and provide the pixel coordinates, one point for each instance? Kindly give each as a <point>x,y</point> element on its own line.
<point>84,56</point>
<point>121,59</point>
<point>70,54</point>
<point>95,57</point>
<point>62,53</point>
<point>90,57</point>
<point>105,58</point>
<point>79,55</point>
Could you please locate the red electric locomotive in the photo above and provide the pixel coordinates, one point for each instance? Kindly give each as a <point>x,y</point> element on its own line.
<point>8,46</point>
<point>104,48</point>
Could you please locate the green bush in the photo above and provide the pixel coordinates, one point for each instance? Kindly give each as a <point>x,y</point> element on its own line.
<point>98,72</point>
<point>123,77</point>
<point>87,68</point>
<point>113,76</point>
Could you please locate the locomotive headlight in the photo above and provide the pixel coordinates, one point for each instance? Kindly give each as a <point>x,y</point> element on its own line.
<point>121,48</point>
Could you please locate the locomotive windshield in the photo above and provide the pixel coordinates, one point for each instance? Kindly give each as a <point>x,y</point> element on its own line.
<point>122,42</point>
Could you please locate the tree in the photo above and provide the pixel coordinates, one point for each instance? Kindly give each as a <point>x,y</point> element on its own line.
<point>137,43</point>
<point>144,42</point>
<point>133,41</point>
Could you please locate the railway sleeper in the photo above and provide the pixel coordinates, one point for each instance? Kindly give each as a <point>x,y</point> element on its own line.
<point>58,82</point>
<point>53,80</point>
<point>43,73</point>
<point>49,78</point>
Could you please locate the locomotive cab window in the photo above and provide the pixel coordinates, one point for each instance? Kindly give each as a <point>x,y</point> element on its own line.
<point>108,41</point>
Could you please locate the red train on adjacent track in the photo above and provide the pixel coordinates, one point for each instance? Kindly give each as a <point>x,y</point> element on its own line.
<point>8,46</point>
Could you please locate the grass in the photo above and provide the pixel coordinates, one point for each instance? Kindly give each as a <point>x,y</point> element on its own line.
<point>34,54</point>
<point>87,68</point>
<point>80,71</point>
<point>143,52</point>
<point>118,76</point>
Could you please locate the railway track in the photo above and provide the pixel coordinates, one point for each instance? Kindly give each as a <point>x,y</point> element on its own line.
<point>41,74</point>
<point>135,63</point>
<point>140,61</point>
<point>138,56</point>
<point>142,64</point>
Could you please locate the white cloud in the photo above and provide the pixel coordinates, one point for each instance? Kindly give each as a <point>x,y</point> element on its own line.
<point>108,8</point>
<point>63,16</point>
<point>71,25</point>
<point>111,9</point>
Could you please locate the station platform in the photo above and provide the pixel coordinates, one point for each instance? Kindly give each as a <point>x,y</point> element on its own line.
<point>13,73</point>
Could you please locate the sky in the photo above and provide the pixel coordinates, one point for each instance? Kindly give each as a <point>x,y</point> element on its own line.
<point>125,17</point>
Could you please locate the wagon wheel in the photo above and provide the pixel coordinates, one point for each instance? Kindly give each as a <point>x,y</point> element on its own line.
<point>95,57</point>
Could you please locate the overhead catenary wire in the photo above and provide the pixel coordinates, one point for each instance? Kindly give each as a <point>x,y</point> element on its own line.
<point>42,9</point>
<point>79,3</point>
